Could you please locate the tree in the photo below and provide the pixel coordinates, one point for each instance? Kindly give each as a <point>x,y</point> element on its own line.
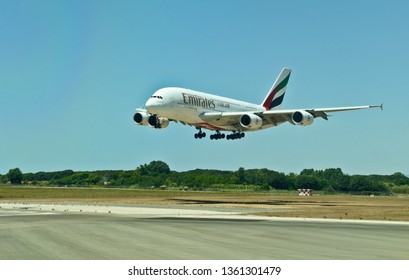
<point>359,183</point>
<point>362,184</point>
<point>241,175</point>
<point>399,179</point>
<point>307,182</point>
<point>277,180</point>
<point>155,167</point>
<point>15,176</point>
<point>158,166</point>
<point>336,179</point>
<point>308,172</point>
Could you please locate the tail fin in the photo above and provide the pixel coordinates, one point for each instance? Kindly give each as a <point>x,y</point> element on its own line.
<point>275,96</point>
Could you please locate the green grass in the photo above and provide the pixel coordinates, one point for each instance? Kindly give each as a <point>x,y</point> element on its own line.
<point>74,193</point>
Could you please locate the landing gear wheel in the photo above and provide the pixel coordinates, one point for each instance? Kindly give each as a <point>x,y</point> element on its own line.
<point>235,135</point>
<point>200,134</point>
<point>217,136</point>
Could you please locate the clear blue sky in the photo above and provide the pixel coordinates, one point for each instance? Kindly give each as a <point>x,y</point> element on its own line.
<point>73,72</point>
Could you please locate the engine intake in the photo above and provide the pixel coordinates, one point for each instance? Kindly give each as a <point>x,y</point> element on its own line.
<point>302,118</point>
<point>251,121</point>
<point>141,118</point>
<point>158,122</point>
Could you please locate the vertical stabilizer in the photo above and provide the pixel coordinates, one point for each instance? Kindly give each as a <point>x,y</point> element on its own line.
<point>275,96</point>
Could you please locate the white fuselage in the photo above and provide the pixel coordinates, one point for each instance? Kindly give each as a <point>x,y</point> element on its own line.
<point>187,105</point>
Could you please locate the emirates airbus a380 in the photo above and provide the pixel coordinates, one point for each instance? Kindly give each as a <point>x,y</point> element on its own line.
<point>220,114</point>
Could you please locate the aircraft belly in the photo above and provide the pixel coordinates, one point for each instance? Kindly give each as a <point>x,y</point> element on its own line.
<point>189,115</point>
<point>183,114</point>
<point>237,127</point>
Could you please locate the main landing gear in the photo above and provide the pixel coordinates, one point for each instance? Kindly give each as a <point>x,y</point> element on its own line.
<point>217,136</point>
<point>235,135</point>
<point>201,134</point>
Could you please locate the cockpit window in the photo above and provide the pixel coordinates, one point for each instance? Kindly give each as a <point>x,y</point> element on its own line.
<point>157,96</point>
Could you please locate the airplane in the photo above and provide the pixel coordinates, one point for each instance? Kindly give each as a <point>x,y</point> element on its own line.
<point>221,114</point>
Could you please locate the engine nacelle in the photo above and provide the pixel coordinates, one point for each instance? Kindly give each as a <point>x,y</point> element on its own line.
<point>158,122</point>
<point>251,121</point>
<point>141,118</point>
<point>302,118</point>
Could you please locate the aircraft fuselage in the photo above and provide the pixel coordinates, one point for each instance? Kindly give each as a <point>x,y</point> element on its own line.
<point>187,106</point>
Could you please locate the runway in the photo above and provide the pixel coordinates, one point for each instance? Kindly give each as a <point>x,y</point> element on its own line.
<point>60,231</point>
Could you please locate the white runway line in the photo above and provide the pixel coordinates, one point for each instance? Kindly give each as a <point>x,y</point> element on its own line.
<point>123,210</point>
<point>13,213</point>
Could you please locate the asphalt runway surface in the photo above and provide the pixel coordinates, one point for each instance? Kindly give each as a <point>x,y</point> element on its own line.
<point>59,232</point>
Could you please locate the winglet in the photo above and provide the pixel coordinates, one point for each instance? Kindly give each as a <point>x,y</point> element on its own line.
<point>275,96</point>
<point>377,106</point>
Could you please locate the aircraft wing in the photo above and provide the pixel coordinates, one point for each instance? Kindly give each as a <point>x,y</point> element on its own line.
<point>224,118</point>
<point>319,112</point>
<point>274,117</point>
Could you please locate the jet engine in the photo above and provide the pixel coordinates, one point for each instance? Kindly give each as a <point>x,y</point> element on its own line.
<point>141,118</point>
<point>251,121</point>
<point>158,122</point>
<point>302,118</point>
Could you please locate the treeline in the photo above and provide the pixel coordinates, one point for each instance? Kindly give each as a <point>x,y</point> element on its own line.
<point>157,174</point>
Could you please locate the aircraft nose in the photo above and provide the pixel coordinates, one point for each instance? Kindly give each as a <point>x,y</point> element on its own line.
<point>152,105</point>
<point>149,104</point>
